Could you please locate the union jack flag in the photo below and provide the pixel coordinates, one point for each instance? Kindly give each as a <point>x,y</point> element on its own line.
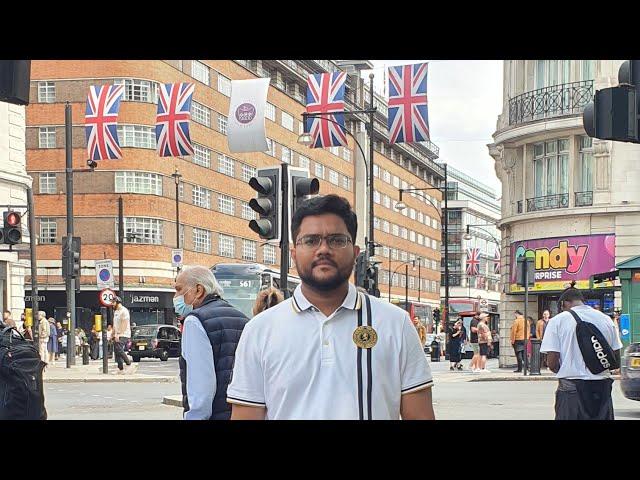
<point>172,120</point>
<point>408,118</point>
<point>101,117</point>
<point>473,261</point>
<point>325,94</point>
<point>496,260</point>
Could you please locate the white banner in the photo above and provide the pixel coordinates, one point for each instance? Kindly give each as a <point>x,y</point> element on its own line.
<point>245,129</point>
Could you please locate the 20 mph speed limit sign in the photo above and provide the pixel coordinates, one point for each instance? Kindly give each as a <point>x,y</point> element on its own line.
<point>107,297</point>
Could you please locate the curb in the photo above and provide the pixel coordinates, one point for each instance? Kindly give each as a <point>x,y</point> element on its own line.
<point>113,379</point>
<point>528,378</point>
<point>172,400</point>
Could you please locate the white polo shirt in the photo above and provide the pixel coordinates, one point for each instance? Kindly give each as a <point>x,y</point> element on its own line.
<point>560,336</point>
<point>300,364</point>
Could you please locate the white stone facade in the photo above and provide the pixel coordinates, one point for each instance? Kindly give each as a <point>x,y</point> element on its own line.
<point>13,184</point>
<point>580,189</point>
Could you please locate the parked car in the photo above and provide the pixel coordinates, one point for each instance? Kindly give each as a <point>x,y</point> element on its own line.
<point>630,372</point>
<point>155,341</point>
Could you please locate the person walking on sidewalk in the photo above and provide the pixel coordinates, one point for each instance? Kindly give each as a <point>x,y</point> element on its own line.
<point>517,339</point>
<point>484,340</point>
<point>52,344</point>
<point>456,343</point>
<point>121,333</point>
<point>473,340</point>
<point>43,334</point>
<point>541,326</point>
<point>59,333</point>
<point>581,394</point>
<point>421,329</point>
<point>210,335</point>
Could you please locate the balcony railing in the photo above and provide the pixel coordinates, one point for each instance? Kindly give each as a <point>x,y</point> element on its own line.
<point>548,202</point>
<point>549,102</point>
<point>584,199</point>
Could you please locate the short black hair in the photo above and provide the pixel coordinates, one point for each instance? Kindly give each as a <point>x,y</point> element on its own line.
<point>518,312</point>
<point>322,204</point>
<point>571,294</point>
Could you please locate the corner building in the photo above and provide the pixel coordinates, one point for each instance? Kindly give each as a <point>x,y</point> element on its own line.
<point>569,200</point>
<point>213,186</point>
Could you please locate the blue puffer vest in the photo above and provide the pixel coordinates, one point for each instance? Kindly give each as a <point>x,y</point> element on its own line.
<point>223,324</point>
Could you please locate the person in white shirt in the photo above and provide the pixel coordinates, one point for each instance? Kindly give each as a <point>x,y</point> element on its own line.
<point>581,395</point>
<point>121,334</point>
<point>329,351</point>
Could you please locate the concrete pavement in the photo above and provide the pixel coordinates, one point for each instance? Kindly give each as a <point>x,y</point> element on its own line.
<point>79,373</point>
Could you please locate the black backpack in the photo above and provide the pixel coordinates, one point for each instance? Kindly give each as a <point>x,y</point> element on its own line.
<point>596,351</point>
<point>21,388</point>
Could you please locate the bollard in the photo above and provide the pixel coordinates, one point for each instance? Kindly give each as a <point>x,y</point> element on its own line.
<point>435,351</point>
<point>85,354</point>
<point>534,365</point>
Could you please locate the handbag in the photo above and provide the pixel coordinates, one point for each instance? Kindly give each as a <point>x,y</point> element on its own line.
<point>596,351</point>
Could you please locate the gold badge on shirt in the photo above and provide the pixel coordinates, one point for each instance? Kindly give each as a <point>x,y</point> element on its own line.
<point>365,337</point>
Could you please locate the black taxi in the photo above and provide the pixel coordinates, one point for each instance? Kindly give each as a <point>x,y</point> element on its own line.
<point>155,341</point>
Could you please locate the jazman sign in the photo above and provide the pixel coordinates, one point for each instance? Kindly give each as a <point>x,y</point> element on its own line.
<point>560,260</point>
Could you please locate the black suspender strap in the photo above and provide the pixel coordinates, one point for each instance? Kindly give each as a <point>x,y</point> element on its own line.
<point>369,372</point>
<point>360,400</point>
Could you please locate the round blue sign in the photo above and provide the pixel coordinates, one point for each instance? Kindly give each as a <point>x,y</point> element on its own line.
<point>104,274</point>
<point>177,258</point>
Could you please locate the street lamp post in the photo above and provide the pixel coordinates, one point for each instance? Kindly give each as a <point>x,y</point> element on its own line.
<point>176,177</point>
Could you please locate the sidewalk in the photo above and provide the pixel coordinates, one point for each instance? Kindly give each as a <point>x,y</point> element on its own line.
<point>58,373</point>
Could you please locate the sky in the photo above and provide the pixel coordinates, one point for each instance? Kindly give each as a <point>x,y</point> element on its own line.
<point>465,99</point>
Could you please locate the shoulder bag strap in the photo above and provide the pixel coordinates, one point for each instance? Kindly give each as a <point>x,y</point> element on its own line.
<point>575,315</point>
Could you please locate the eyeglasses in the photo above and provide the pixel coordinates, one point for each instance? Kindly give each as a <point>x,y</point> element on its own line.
<point>335,241</point>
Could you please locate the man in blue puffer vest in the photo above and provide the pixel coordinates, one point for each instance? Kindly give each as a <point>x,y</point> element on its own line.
<point>210,335</point>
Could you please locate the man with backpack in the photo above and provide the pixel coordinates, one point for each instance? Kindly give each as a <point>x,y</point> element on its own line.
<point>581,346</point>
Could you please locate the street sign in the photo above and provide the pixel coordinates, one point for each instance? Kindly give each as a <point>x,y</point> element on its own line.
<point>484,303</point>
<point>107,297</point>
<point>104,273</point>
<point>176,257</point>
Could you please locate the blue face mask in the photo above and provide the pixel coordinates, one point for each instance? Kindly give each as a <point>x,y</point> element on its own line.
<point>180,307</point>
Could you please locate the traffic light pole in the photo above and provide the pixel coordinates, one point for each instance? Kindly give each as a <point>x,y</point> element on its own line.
<point>284,232</point>
<point>34,266</point>
<point>120,248</point>
<point>70,281</point>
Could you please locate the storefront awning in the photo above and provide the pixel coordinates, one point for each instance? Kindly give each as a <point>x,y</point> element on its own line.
<point>603,277</point>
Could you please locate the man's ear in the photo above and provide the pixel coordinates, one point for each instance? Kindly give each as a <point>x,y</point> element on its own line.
<point>356,250</point>
<point>293,254</point>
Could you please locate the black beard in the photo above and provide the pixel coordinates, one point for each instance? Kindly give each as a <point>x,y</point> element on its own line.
<point>327,285</point>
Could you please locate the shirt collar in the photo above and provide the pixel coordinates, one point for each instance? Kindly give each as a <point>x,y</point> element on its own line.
<point>299,303</point>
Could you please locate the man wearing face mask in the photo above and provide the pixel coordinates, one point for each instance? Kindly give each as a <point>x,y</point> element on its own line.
<point>210,334</point>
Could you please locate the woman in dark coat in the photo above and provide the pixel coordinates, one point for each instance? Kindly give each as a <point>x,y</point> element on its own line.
<point>457,335</point>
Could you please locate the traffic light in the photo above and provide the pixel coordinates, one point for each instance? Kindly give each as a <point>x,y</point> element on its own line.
<point>613,114</point>
<point>267,204</point>
<point>371,281</point>
<point>11,233</point>
<point>361,270</point>
<point>301,186</point>
<point>436,318</point>
<point>71,258</point>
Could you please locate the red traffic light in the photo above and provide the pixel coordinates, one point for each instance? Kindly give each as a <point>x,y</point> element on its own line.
<point>13,219</point>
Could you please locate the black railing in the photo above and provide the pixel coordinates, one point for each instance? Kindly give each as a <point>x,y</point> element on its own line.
<point>560,200</point>
<point>584,199</point>
<point>548,102</point>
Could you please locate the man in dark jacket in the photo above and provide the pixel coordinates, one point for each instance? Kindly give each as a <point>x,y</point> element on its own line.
<point>210,335</point>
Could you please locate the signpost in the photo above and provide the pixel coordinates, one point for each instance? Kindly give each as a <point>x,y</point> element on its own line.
<point>104,274</point>
<point>106,297</point>
<point>176,257</point>
<point>525,277</point>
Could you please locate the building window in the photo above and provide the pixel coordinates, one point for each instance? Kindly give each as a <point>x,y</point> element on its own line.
<point>271,147</point>
<point>201,156</point>
<point>200,72</point>
<point>142,230</point>
<point>287,121</point>
<point>249,250</point>
<point>247,212</point>
<point>319,170</point>
<point>376,196</point>
<point>386,201</point>
<point>346,154</point>
<point>434,223</point>
<point>303,161</point>
<point>548,73</point>
<point>222,124</point>
<point>588,69</point>
<point>48,230</point>
<point>200,113</point>
<point>137,136</point>
<point>248,172</point>
<point>286,154</point>
<point>395,230</point>
<point>182,235</point>
<point>138,90</point>
<point>396,182</point>
<point>225,165</point>
<point>346,183</point>
<point>47,137</point>
<point>201,197</point>
<point>434,244</point>
<point>334,150</point>
<point>226,246</point>
<point>270,112</point>
<point>138,182</point>
<point>376,223</point>
<point>386,176</point>
<point>420,217</point>
<point>46,92</point>
<point>334,177</point>
<point>376,171</point>
<point>434,286</point>
<point>48,183</point>
<point>201,240</point>
<point>404,233</point>
<point>551,162</point>
<point>226,204</point>
<point>412,236</point>
<point>224,85</point>
<point>385,226</point>
<point>269,254</point>
<point>586,164</point>
<point>420,239</point>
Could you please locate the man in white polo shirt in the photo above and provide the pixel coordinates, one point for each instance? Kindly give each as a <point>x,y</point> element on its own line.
<point>329,352</point>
